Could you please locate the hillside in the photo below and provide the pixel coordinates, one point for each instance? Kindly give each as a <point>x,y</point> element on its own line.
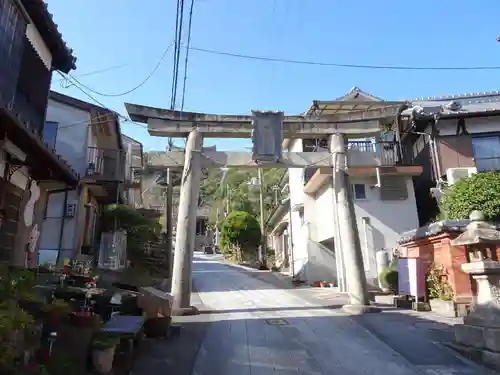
<point>215,189</point>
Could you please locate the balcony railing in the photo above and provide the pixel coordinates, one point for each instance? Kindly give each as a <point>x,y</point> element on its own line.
<point>384,153</point>
<point>387,152</point>
<point>105,164</point>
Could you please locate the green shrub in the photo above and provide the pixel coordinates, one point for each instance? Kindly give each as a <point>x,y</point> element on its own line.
<point>389,279</point>
<point>242,230</point>
<point>478,192</point>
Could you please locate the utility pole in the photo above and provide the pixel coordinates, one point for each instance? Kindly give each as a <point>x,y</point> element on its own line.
<point>228,199</point>
<point>276,189</point>
<point>169,220</point>
<point>262,253</point>
<point>169,217</point>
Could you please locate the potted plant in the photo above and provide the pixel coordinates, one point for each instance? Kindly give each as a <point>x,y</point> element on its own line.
<point>85,319</point>
<point>56,311</point>
<point>103,353</point>
<point>441,296</point>
<point>389,280</point>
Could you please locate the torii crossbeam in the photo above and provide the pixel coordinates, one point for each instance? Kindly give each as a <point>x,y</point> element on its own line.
<point>168,123</point>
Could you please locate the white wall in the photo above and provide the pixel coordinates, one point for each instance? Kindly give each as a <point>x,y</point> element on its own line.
<point>72,133</point>
<point>296,177</point>
<point>379,222</point>
<point>71,143</point>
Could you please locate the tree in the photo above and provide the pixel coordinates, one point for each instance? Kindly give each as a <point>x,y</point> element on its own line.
<point>240,229</point>
<point>140,229</point>
<point>478,192</point>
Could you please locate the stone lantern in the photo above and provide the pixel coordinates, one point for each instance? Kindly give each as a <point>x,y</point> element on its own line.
<point>480,334</point>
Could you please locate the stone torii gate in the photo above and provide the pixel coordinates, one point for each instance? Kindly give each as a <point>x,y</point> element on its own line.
<point>267,130</point>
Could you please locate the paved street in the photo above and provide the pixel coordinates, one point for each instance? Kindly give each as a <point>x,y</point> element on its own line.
<point>249,326</point>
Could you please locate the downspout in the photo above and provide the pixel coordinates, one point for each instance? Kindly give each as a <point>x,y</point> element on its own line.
<point>63,222</point>
<point>398,130</point>
<point>436,158</point>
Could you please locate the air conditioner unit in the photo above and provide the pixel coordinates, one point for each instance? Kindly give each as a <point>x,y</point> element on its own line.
<point>455,174</point>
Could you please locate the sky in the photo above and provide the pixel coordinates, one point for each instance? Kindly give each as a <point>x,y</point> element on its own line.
<point>127,38</point>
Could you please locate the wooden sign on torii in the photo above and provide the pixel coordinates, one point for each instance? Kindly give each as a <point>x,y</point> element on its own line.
<point>275,126</point>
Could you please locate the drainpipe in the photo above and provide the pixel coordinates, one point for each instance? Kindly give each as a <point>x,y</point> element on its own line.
<point>437,160</point>
<point>63,221</point>
<point>398,130</point>
<point>436,168</point>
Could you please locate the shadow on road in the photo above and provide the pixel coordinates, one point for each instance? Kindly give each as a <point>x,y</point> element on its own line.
<point>306,345</point>
<point>294,339</point>
<point>269,309</point>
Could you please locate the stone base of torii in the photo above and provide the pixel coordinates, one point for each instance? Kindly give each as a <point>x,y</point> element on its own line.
<point>197,126</point>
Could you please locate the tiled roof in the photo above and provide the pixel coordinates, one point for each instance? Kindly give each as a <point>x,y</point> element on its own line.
<point>448,105</point>
<point>356,90</point>
<point>453,105</point>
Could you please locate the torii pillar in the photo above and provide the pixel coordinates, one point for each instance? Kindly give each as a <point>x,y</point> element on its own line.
<point>186,226</point>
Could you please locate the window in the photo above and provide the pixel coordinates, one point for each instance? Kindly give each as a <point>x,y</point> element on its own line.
<point>359,191</point>
<point>486,152</point>
<point>50,134</point>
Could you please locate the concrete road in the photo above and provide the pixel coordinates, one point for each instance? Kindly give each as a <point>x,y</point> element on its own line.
<point>255,328</point>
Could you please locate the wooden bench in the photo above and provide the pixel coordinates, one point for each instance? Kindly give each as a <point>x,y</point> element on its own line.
<point>130,330</point>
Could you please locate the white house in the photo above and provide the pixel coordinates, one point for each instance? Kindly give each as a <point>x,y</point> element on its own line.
<point>89,138</point>
<point>384,203</point>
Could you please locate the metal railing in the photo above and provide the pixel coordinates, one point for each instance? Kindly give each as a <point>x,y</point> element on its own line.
<point>388,152</point>
<point>105,164</point>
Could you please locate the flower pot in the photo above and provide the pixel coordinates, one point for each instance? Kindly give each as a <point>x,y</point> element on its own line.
<point>102,359</point>
<point>446,309</point>
<point>84,320</point>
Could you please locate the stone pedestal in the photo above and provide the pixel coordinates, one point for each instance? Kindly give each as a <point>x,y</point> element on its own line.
<point>479,336</point>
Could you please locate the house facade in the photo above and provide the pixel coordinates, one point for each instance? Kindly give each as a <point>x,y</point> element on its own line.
<point>31,49</point>
<point>134,164</point>
<point>89,137</point>
<point>451,137</point>
<point>383,196</point>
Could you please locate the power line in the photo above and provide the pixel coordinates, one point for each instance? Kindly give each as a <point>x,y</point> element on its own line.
<point>339,65</point>
<point>104,70</point>
<point>142,83</point>
<point>186,60</point>
<point>77,86</point>
<point>178,41</point>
